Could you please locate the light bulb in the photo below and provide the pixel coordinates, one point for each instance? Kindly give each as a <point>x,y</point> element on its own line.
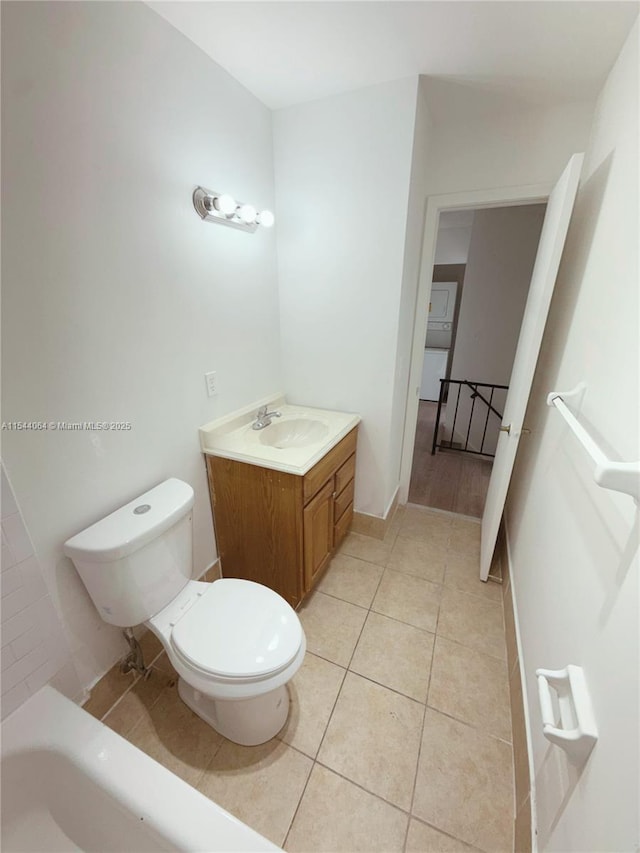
<point>226,204</point>
<point>247,213</point>
<point>266,218</point>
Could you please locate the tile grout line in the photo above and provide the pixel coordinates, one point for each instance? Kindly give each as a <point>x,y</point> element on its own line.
<point>324,734</point>
<point>116,702</point>
<point>366,790</point>
<point>315,758</point>
<point>408,812</point>
<point>370,610</point>
<point>346,601</point>
<point>141,716</point>
<point>346,669</point>
<point>386,687</point>
<point>137,678</point>
<point>427,706</point>
<point>469,725</point>
<point>469,648</point>
<point>326,728</point>
<point>402,622</point>
<point>475,651</point>
<point>424,718</point>
<point>448,834</point>
<point>415,774</point>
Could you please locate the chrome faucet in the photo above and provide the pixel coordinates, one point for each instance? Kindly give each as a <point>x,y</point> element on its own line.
<point>263,418</point>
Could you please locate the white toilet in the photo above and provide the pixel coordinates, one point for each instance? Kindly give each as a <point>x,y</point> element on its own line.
<point>235,644</point>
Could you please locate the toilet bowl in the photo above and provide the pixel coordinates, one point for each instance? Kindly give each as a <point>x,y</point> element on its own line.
<point>234,643</point>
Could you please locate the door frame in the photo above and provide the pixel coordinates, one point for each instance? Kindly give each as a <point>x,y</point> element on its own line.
<point>435,204</point>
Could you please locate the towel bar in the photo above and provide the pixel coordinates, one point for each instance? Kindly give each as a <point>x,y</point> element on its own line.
<point>617,476</point>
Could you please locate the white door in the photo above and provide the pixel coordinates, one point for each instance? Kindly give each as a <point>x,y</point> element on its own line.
<point>543,279</point>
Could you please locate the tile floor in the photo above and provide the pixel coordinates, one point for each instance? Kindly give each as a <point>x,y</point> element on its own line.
<point>399,736</point>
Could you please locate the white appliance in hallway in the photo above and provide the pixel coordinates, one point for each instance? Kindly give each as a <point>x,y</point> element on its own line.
<point>439,329</point>
<point>442,305</point>
<point>434,369</point>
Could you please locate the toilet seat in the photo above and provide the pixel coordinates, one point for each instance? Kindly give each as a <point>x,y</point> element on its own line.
<point>234,644</point>
<point>237,629</point>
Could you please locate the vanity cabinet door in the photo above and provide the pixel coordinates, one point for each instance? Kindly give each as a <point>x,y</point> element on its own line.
<point>277,528</point>
<point>330,464</point>
<point>342,514</point>
<point>318,534</point>
<point>258,525</point>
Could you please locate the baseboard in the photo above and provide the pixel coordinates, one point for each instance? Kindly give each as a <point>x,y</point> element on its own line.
<point>374,525</point>
<point>525,832</point>
<point>433,510</point>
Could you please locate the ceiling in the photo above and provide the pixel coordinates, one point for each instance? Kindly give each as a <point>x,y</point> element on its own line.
<point>288,52</point>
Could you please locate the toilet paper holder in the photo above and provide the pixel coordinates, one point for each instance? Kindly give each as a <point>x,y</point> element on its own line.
<point>576,731</point>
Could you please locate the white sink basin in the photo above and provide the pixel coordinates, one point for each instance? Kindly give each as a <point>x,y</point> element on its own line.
<point>293,443</point>
<point>297,432</point>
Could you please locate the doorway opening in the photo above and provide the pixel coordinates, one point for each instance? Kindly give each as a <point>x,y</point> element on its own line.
<point>483,257</point>
<point>559,201</point>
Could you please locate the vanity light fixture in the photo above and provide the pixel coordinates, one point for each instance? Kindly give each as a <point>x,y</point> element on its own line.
<point>223,208</point>
<point>266,218</point>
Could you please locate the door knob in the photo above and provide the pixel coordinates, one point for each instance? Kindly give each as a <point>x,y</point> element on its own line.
<point>506,429</point>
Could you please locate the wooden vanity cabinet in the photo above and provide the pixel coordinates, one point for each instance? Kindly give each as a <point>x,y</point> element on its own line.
<point>280,529</point>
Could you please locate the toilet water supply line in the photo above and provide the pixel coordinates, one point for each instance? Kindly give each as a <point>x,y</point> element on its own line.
<point>133,659</point>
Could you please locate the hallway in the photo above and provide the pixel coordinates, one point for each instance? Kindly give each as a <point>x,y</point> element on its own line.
<point>450,481</point>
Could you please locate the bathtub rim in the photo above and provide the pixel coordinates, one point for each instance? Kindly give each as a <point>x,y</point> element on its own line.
<point>50,721</point>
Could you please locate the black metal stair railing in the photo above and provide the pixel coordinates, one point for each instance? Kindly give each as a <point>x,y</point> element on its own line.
<point>475,395</point>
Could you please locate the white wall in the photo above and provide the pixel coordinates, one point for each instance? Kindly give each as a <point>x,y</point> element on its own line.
<point>574,546</point>
<point>116,296</point>
<point>482,140</point>
<point>502,251</point>
<point>343,167</point>
<point>452,246</point>
<point>410,278</point>
<point>347,296</point>
<point>34,648</point>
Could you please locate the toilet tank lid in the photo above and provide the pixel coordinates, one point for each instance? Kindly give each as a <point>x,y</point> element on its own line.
<point>133,525</point>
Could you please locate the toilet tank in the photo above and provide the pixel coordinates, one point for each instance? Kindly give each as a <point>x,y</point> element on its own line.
<point>136,560</point>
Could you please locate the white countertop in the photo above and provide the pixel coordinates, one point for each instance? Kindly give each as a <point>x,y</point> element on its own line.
<point>232,436</point>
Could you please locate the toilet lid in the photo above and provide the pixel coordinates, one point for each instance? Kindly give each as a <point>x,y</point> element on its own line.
<point>238,629</point>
